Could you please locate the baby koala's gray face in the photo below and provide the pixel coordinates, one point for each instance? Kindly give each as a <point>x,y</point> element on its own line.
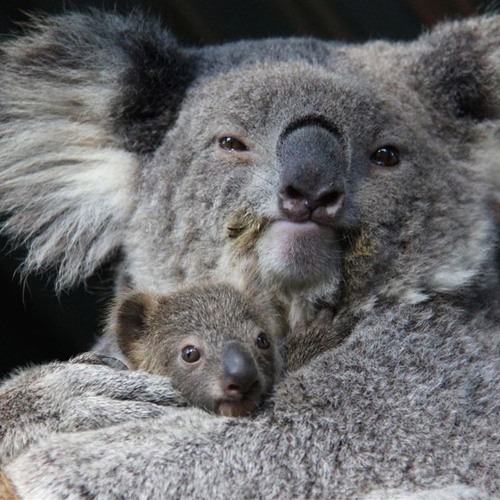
<point>218,347</point>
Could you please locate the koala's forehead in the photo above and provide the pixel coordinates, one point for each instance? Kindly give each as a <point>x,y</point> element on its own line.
<point>263,93</point>
<point>208,310</point>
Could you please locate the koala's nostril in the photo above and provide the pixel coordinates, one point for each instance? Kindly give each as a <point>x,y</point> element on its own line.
<point>329,207</point>
<point>329,198</point>
<point>292,193</point>
<point>294,204</point>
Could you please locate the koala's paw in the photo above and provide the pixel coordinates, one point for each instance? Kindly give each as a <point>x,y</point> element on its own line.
<point>92,358</point>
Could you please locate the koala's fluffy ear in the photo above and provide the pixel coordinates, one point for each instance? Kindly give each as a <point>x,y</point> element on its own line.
<point>82,99</point>
<point>458,67</point>
<point>129,319</point>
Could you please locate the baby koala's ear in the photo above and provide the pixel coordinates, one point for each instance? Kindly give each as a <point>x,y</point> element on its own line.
<point>130,318</point>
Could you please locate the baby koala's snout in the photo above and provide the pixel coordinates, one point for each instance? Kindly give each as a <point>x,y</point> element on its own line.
<point>240,375</point>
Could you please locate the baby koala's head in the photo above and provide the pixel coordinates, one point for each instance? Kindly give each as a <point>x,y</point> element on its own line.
<point>218,345</point>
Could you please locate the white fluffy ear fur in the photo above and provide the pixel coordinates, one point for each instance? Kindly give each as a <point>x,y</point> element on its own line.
<point>66,184</point>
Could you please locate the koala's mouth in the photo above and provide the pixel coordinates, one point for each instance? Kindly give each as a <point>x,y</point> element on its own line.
<point>292,253</point>
<point>237,408</point>
<point>299,254</point>
<point>296,242</point>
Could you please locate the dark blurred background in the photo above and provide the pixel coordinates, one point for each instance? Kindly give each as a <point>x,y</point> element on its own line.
<point>37,326</point>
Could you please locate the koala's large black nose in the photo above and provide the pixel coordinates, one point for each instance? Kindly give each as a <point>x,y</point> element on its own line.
<point>240,372</point>
<point>313,165</point>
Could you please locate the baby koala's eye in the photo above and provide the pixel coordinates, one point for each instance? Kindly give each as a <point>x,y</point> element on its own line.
<point>232,144</point>
<point>190,354</point>
<point>386,156</point>
<point>263,341</point>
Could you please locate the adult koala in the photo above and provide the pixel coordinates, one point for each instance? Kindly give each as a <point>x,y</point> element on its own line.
<point>368,169</point>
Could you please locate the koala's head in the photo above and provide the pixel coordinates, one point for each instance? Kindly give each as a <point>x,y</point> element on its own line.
<point>218,346</point>
<point>367,169</point>
<point>359,167</point>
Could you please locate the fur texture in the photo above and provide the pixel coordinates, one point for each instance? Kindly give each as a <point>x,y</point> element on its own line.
<point>391,282</point>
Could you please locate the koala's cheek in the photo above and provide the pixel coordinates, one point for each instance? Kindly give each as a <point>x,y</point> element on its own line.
<point>299,253</point>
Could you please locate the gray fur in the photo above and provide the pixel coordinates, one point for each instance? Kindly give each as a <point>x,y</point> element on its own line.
<point>93,396</point>
<point>396,391</point>
<point>456,492</point>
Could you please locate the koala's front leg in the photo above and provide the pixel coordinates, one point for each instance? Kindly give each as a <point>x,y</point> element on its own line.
<point>75,396</point>
<point>139,460</point>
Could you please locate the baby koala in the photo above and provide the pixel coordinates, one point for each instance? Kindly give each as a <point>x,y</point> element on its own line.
<point>218,345</point>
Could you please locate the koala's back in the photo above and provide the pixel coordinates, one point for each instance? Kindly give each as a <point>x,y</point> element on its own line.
<point>416,402</point>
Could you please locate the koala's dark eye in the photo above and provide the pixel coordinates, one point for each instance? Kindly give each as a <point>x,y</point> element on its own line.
<point>232,144</point>
<point>263,341</point>
<point>386,156</point>
<point>190,354</point>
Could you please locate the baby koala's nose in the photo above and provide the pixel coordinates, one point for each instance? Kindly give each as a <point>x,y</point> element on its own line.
<point>240,373</point>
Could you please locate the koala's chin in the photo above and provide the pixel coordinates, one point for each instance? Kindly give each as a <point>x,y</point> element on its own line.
<point>299,255</point>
